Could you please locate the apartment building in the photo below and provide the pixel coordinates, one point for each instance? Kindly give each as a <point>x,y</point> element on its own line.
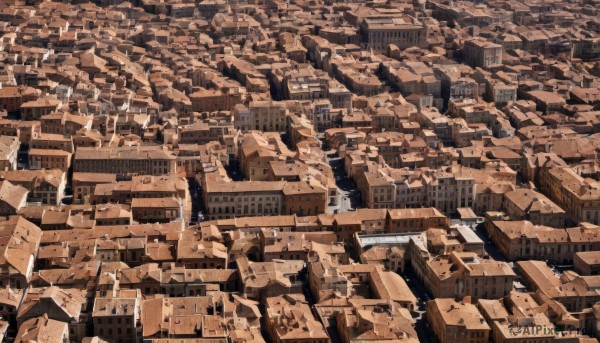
<point>64,123</point>
<point>9,149</point>
<point>573,291</point>
<point>10,300</point>
<point>289,319</point>
<point>527,204</point>
<point>587,49</point>
<point>51,141</point>
<point>157,210</point>
<point>460,274</point>
<point>346,224</point>
<point>444,189</point>
<point>276,244</point>
<point>12,97</point>
<point>45,186</point>
<point>402,31</point>
<point>203,133</point>
<point>524,311</point>
<point>178,281</point>
<point>34,109</point>
<point>482,53</point>
<point>12,198</point>
<point>579,197</point>
<point>520,240</point>
<point>447,192</point>
<point>84,184</point>
<point>363,318</point>
<point>244,198</point>
<point>262,280</point>
<point>415,220</point>
<point>201,254</point>
<point>43,329</point>
<point>587,262</point>
<point>63,305</point>
<point>326,279</point>
<point>211,100</point>
<point>377,189</point>
<point>117,318</point>
<point>23,237</point>
<point>147,186</point>
<point>257,150</point>
<point>385,284</point>
<point>125,160</point>
<point>320,114</point>
<point>303,83</point>
<point>456,322</point>
<point>304,198</point>
<point>49,159</point>
<point>300,129</point>
<point>196,316</point>
<point>260,115</point>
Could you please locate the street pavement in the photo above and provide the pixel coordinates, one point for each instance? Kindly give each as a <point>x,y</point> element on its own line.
<point>349,196</point>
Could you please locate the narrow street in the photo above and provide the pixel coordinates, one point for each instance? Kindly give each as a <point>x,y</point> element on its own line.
<point>23,157</point>
<point>489,247</point>
<point>349,197</point>
<point>198,208</point>
<point>424,332</point>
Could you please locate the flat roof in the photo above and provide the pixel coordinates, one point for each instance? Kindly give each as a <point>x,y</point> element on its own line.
<point>468,234</point>
<point>385,239</point>
<point>466,213</point>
